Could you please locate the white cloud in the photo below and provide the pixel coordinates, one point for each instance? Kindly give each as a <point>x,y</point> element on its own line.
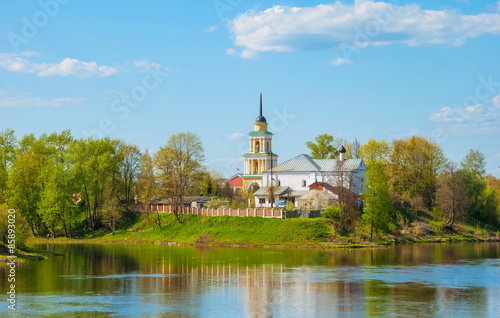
<point>231,51</point>
<point>361,24</point>
<point>495,101</point>
<point>19,63</point>
<point>236,135</point>
<point>340,61</point>
<point>246,54</point>
<point>26,101</point>
<point>477,119</point>
<point>144,65</point>
<point>249,54</point>
<point>210,29</point>
<point>75,67</point>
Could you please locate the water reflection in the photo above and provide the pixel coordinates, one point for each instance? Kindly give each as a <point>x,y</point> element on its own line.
<point>165,281</point>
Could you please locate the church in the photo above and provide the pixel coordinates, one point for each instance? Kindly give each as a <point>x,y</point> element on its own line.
<point>304,181</point>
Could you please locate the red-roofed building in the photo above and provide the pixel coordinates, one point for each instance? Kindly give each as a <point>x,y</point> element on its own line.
<point>236,183</point>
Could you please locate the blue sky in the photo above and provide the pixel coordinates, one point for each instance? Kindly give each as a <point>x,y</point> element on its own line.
<point>144,70</point>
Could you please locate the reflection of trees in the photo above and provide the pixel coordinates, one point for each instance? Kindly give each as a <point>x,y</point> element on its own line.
<point>79,263</point>
<point>461,302</point>
<point>273,282</point>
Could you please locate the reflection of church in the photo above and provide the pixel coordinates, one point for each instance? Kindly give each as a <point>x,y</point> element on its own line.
<point>302,180</point>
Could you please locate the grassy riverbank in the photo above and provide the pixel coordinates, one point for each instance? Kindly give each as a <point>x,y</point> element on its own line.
<point>257,231</point>
<point>22,256</point>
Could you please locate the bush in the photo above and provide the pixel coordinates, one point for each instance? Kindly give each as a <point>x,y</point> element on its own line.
<point>216,204</point>
<point>332,212</point>
<point>290,206</point>
<point>402,217</point>
<point>21,230</point>
<point>235,204</point>
<point>436,227</point>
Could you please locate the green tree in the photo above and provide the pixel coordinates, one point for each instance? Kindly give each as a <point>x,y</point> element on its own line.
<point>147,185</point>
<point>415,164</point>
<point>23,182</point>
<point>26,181</point>
<point>21,230</point>
<point>323,147</point>
<point>378,206</point>
<point>375,151</point>
<point>452,194</point>
<point>179,163</point>
<point>55,207</point>
<point>8,143</point>
<point>93,168</point>
<point>56,199</point>
<point>493,184</point>
<point>129,164</point>
<point>208,184</point>
<point>482,203</point>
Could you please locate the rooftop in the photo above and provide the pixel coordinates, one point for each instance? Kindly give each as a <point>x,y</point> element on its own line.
<point>305,163</point>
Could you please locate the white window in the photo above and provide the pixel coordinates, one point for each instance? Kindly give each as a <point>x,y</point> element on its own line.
<point>304,183</point>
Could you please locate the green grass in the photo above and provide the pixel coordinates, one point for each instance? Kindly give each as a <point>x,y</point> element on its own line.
<point>258,231</point>
<point>227,230</point>
<point>23,255</point>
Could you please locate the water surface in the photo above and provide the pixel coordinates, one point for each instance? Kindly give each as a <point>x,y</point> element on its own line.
<point>117,280</point>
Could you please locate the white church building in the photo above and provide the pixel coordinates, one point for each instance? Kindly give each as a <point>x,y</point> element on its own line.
<point>297,177</point>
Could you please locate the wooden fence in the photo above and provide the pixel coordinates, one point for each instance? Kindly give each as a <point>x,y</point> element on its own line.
<point>266,213</point>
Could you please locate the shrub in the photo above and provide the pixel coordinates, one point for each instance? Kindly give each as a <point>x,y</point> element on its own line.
<point>436,227</point>
<point>203,239</point>
<point>332,212</point>
<point>290,206</point>
<point>216,204</point>
<point>238,204</point>
<point>21,229</point>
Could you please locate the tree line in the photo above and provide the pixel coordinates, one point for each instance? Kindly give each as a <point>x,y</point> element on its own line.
<point>414,173</point>
<point>62,186</point>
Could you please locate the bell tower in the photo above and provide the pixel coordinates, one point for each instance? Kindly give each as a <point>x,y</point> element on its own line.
<point>260,156</point>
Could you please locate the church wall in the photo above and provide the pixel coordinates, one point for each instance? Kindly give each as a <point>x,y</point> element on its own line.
<point>294,180</point>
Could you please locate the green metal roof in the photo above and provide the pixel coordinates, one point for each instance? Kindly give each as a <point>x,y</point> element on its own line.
<point>265,132</point>
<point>260,154</point>
<point>305,163</point>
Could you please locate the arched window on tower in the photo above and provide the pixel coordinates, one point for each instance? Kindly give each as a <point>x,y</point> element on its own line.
<point>257,146</point>
<point>268,147</point>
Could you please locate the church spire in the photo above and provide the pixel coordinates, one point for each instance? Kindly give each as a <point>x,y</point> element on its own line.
<point>261,118</point>
<point>260,114</point>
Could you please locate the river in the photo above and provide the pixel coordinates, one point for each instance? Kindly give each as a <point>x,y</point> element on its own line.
<point>139,280</point>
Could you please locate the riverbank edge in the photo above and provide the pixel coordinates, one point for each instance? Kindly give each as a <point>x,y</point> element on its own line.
<point>441,240</point>
<point>258,232</point>
<point>22,256</point>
